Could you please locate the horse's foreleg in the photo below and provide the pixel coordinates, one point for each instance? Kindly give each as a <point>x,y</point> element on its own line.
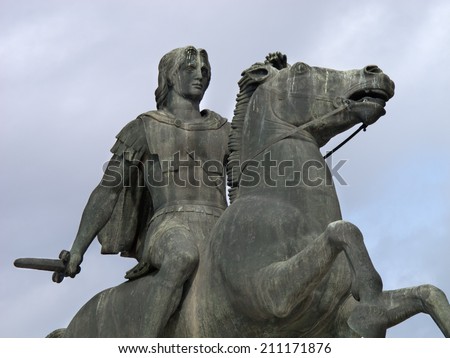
<point>366,283</point>
<point>284,285</point>
<point>369,318</point>
<point>406,302</point>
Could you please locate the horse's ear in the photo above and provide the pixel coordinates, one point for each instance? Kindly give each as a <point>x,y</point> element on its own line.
<point>259,72</point>
<point>277,60</point>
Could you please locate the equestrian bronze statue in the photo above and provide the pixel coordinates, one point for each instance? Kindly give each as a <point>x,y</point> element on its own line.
<point>279,261</point>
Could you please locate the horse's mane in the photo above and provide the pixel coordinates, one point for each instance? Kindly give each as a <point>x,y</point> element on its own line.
<point>247,86</point>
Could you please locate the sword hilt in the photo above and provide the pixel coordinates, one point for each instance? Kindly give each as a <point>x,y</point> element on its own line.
<point>58,277</point>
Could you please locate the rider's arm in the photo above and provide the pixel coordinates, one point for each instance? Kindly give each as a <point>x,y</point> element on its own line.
<point>98,210</point>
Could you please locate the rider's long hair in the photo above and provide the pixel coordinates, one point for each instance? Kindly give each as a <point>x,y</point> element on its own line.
<point>169,65</point>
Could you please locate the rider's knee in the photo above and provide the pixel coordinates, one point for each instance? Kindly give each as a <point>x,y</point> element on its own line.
<point>188,258</point>
<point>182,259</point>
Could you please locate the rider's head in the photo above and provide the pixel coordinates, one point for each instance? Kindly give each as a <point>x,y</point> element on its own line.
<point>168,67</point>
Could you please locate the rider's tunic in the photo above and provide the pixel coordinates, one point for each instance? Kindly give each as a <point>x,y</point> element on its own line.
<point>181,181</point>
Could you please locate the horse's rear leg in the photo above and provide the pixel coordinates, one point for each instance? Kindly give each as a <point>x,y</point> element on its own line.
<point>404,303</point>
<point>395,307</point>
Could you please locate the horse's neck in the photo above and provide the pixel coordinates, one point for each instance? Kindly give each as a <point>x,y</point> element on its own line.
<point>292,153</point>
<point>290,158</point>
<point>292,171</point>
<point>263,127</point>
<point>263,133</point>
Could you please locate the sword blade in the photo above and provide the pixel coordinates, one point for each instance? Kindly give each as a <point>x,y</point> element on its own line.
<point>53,265</point>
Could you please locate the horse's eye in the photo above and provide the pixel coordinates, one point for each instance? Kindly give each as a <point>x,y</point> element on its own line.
<point>300,67</point>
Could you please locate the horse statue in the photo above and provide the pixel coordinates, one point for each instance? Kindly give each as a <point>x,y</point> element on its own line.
<point>280,262</point>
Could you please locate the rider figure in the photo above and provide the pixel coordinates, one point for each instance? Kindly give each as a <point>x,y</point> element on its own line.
<point>179,153</point>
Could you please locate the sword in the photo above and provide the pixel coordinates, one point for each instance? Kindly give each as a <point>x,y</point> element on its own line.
<point>58,266</point>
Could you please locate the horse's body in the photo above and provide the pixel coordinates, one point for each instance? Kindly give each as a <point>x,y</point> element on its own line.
<point>281,262</point>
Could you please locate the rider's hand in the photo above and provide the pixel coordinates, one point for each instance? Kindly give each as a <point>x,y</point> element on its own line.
<point>73,265</point>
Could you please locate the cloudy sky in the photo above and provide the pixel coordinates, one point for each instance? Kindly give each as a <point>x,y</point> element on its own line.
<point>73,73</point>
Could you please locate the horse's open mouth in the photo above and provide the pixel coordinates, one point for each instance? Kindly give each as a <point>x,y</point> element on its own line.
<point>370,95</point>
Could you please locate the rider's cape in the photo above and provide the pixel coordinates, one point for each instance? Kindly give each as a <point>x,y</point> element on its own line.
<point>125,231</point>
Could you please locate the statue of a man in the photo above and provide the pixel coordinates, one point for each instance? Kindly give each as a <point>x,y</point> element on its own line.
<point>164,187</point>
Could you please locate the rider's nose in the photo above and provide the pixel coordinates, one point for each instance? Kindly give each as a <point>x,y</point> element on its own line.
<point>372,69</point>
<point>198,73</point>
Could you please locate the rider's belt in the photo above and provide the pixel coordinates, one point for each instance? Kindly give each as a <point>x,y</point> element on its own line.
<point>189,208</point>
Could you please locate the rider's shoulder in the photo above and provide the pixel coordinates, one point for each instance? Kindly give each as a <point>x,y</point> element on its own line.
<point>158,115</point>
<point>215,119</point>
<point>131,140</point>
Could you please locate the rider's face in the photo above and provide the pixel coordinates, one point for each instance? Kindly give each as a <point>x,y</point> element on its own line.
<point>192,77</point>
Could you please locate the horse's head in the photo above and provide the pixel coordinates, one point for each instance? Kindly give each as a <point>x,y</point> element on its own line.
<point>277,100</point>
<point>323,100</point>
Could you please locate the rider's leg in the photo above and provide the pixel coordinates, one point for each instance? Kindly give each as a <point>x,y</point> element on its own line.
<point>175,254</point>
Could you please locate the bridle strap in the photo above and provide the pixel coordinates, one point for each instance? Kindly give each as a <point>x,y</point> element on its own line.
<point>341,108</point>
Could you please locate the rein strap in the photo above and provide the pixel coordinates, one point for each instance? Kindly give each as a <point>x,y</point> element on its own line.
<point>293,131</point>
<point>362,127</point>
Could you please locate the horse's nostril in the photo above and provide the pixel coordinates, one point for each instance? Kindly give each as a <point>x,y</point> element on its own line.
<point>373,69</point>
